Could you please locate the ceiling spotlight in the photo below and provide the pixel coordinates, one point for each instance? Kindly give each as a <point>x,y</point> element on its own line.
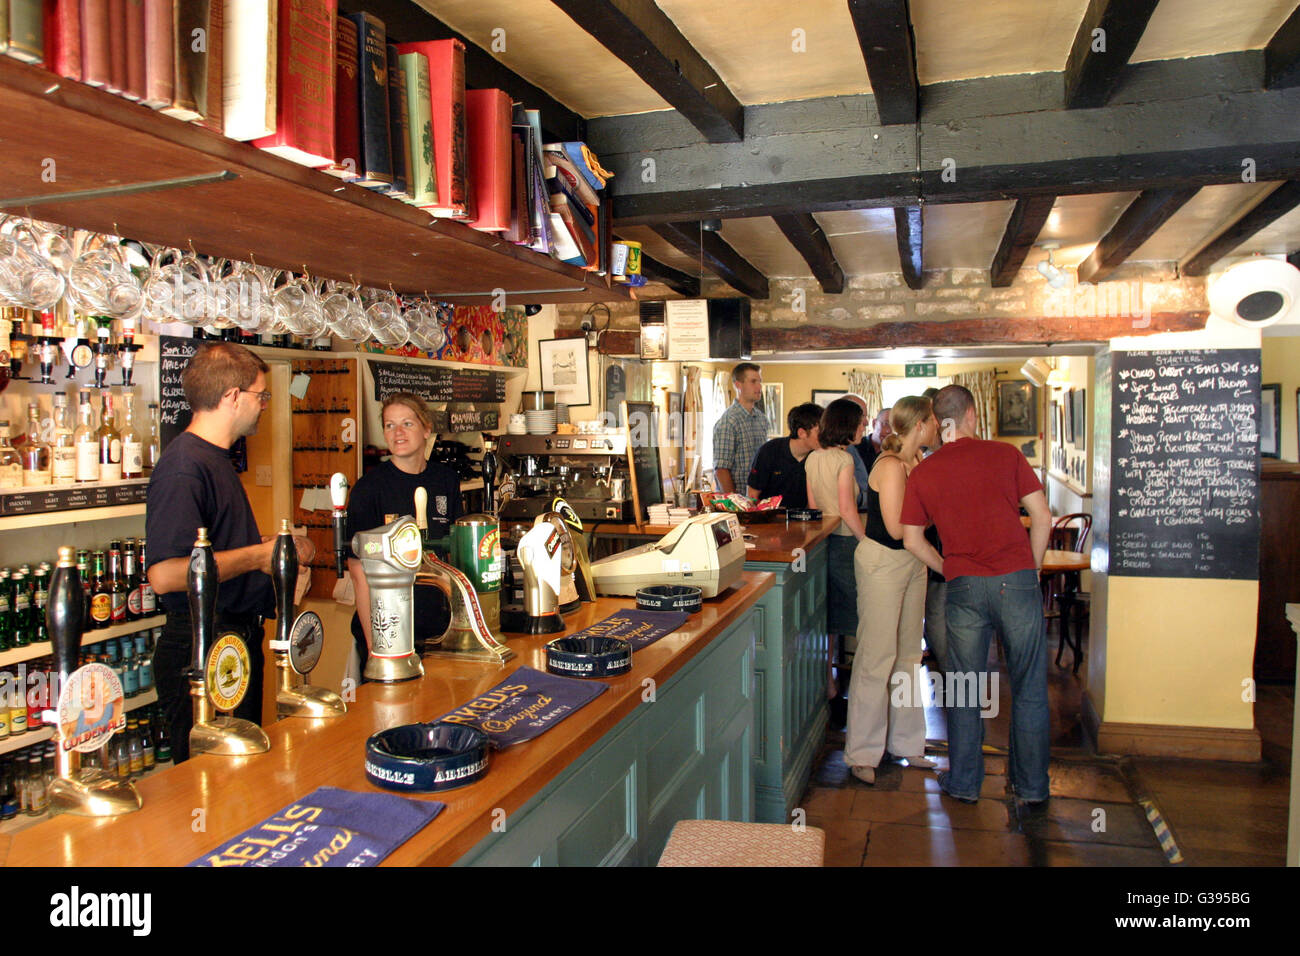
<point>711,225</point>
<point>1056,277</point>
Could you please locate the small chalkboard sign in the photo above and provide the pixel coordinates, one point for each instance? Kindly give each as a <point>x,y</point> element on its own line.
<point>437,383</point>
<point>643,455</point>
<point>174,354</point>
<point>1184,499</point>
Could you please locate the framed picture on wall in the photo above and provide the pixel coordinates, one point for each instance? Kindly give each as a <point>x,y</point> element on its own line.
<point>824,397</point>
<point>1270,421</point>
<point>1080,415</point>
<point>1067,409</point>
<point>1017,409</point>
<point>564,369</point>
<point>773,410</point>
<point>1056,422</point>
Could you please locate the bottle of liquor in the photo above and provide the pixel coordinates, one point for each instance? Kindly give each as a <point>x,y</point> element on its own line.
<point>134,749</point>
<point>101,599</point>
<point>8,793</point>
<point>134,599</point>
<point>11,463</point>
<point>109,441</point>
<point>153,450</point>
<point>164,737</point>
<point>132,445</point>
<point>63,450</point>
<point>130,669</point>
<point>108,757</point>
<point>121,756</point>
<point>86,441</point>
<point>39,794</point>
<point>148,599</point>
<point>6,682</point>
<point>40,595</point>
<point>146,745</point>
<point>20,601</point>
<point>35,453</point>
<point>17,706</point>
<point>117,585</point>
<point>83,571</point>
<point>6,618</point>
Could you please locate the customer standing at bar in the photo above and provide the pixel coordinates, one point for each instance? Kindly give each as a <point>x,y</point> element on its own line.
<point>833,488</point>
<point>194,485</point>
<point>972,491</point>
<point>741,430</point>
<point>778,466</point>
<point>891,584</point>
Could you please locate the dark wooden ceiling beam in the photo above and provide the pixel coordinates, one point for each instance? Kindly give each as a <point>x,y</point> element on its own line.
<point>1273,207</point>
<point>1139,222</point>
<point>680,282</point>
<point>809,239</point>
<point>1106,38</point>
<point>405,21</point>
<point>1029,329</point>
<point>884,29</point>
<point>717,256</point>
<point>908,227</point>
<point>643,37</point>
<point>1294,258</point>
<point>1003,137</point>
<point>1282,55</point>
<point>1026,222</point>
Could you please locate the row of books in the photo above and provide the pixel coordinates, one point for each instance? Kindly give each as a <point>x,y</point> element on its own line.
<point>296,78</point>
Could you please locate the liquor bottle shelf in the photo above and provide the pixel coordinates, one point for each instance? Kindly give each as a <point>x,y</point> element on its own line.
<point>17,655</point>
<point>271,210</point>
<point>19,741</point>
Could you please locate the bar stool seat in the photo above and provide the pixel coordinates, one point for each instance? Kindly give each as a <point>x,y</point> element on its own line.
<point>730,843</point>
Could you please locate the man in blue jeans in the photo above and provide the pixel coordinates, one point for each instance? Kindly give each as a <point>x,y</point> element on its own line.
<point>972,491</point>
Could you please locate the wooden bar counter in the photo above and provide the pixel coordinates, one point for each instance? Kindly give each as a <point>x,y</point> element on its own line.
<point>196,806</point>
<point>772,540</point>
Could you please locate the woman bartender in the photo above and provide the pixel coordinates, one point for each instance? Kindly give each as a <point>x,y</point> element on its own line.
<point>387,492</point>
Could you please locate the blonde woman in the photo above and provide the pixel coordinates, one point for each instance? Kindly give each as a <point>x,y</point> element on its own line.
<point>886,710</point>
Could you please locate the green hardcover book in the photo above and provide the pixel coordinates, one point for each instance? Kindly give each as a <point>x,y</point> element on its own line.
<point>26,33</point>
<point>423,186</point>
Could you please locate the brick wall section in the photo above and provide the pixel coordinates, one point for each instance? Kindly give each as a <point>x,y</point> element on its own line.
<point>953,294</point>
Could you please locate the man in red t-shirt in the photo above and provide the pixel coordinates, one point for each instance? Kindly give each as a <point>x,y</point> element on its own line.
<point>972,491</point>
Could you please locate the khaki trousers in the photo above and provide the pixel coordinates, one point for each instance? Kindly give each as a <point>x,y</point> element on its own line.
<point>891,607</point>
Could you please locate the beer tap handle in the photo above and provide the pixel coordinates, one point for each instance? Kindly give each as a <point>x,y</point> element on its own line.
<point>284,577</point>
<point>65,613</point>
<point>422,512</point>
<point>339,498</point>
<point>202,586</point>
<point>489,480</point>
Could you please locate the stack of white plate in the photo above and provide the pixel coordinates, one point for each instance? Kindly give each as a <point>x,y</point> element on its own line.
<point>540,422</point>
<point>518,424</point>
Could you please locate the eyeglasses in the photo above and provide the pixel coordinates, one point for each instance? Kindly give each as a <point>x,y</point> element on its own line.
<point>263,397</point>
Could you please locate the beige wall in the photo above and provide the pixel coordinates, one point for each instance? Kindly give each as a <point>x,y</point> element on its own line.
<point>1281,364</point>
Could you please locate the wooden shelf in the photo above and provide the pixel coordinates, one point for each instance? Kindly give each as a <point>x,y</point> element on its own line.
<point>276,212</point>
<point>42,519</point>
<point>12,743</point>
<point>16,655</point>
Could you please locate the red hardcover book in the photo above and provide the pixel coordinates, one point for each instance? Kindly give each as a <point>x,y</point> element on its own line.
<point>135,68</point>
<point>63,37</point>
<point>487,125</point>
<point>94,42</point>
<point>116,46</point>
<point>347,121</point>
<point>447,99</point>
<point>215,117</point>
<point>159,81</point>
<point>304,83</point>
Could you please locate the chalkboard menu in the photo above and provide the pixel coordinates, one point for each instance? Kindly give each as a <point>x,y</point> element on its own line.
<point>643,454</point>
<point>173,411</point>
<point>1184,499</point>
<point>434,384</point>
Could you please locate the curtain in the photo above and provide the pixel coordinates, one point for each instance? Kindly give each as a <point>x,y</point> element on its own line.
<point>982,385</point>
<point>867,385</point>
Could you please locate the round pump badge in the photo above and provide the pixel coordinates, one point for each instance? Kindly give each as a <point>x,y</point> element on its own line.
<point>228,672</point>
<point>306,641</point>
<point>90,708</point>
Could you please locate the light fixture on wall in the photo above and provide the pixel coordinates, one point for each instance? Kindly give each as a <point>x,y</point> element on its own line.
<point>1056,277</point>
<point>1041,371</point>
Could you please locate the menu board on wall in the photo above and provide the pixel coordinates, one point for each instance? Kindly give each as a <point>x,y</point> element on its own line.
<point>435,384</point>
<point>173,411</point>
<point>1184,499</point>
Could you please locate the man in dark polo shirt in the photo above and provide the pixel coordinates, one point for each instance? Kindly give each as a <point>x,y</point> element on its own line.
<point>972,491</point>
<point>778,466</point>
<point>195,486</point>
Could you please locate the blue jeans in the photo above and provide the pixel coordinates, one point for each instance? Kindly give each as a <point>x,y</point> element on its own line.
<point>1012,605</point>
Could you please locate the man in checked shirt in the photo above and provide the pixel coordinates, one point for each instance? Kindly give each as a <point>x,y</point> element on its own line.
<point>741,430</point>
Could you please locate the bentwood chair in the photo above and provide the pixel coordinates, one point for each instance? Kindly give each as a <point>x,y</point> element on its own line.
<point>1069,533</point>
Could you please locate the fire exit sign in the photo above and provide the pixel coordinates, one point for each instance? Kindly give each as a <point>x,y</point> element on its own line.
<point>921,370</point>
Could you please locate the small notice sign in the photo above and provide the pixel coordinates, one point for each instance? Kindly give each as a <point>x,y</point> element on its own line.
<point>920,370</point>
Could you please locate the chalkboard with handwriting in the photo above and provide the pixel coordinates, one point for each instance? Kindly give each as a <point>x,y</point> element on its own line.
<point>173,411</point>
<point>437,383</point>
<point>1184,499</point>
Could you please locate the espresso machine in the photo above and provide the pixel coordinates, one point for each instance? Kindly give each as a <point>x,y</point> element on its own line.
<point>588,471</point>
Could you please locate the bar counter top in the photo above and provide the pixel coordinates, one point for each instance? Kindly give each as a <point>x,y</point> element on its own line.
<point>236,793</point>
<point>774,540</point>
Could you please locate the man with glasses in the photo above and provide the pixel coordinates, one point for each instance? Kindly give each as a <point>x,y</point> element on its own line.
<point>194,485</point>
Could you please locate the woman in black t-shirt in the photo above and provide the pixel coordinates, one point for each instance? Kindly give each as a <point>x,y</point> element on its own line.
<point>387,492</point>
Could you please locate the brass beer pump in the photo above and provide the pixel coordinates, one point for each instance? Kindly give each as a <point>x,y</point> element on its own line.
<point>86,793</point>
<point>220,673</point>
<point>298,643</point>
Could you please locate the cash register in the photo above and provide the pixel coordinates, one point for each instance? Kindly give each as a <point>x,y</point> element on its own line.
<point>707,551</point>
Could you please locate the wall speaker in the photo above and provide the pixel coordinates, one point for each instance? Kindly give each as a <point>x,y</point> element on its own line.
<point>1257,293</point>
<point>729,330</point>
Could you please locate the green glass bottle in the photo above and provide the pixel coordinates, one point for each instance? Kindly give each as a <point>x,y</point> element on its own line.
<point>20,610</point>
